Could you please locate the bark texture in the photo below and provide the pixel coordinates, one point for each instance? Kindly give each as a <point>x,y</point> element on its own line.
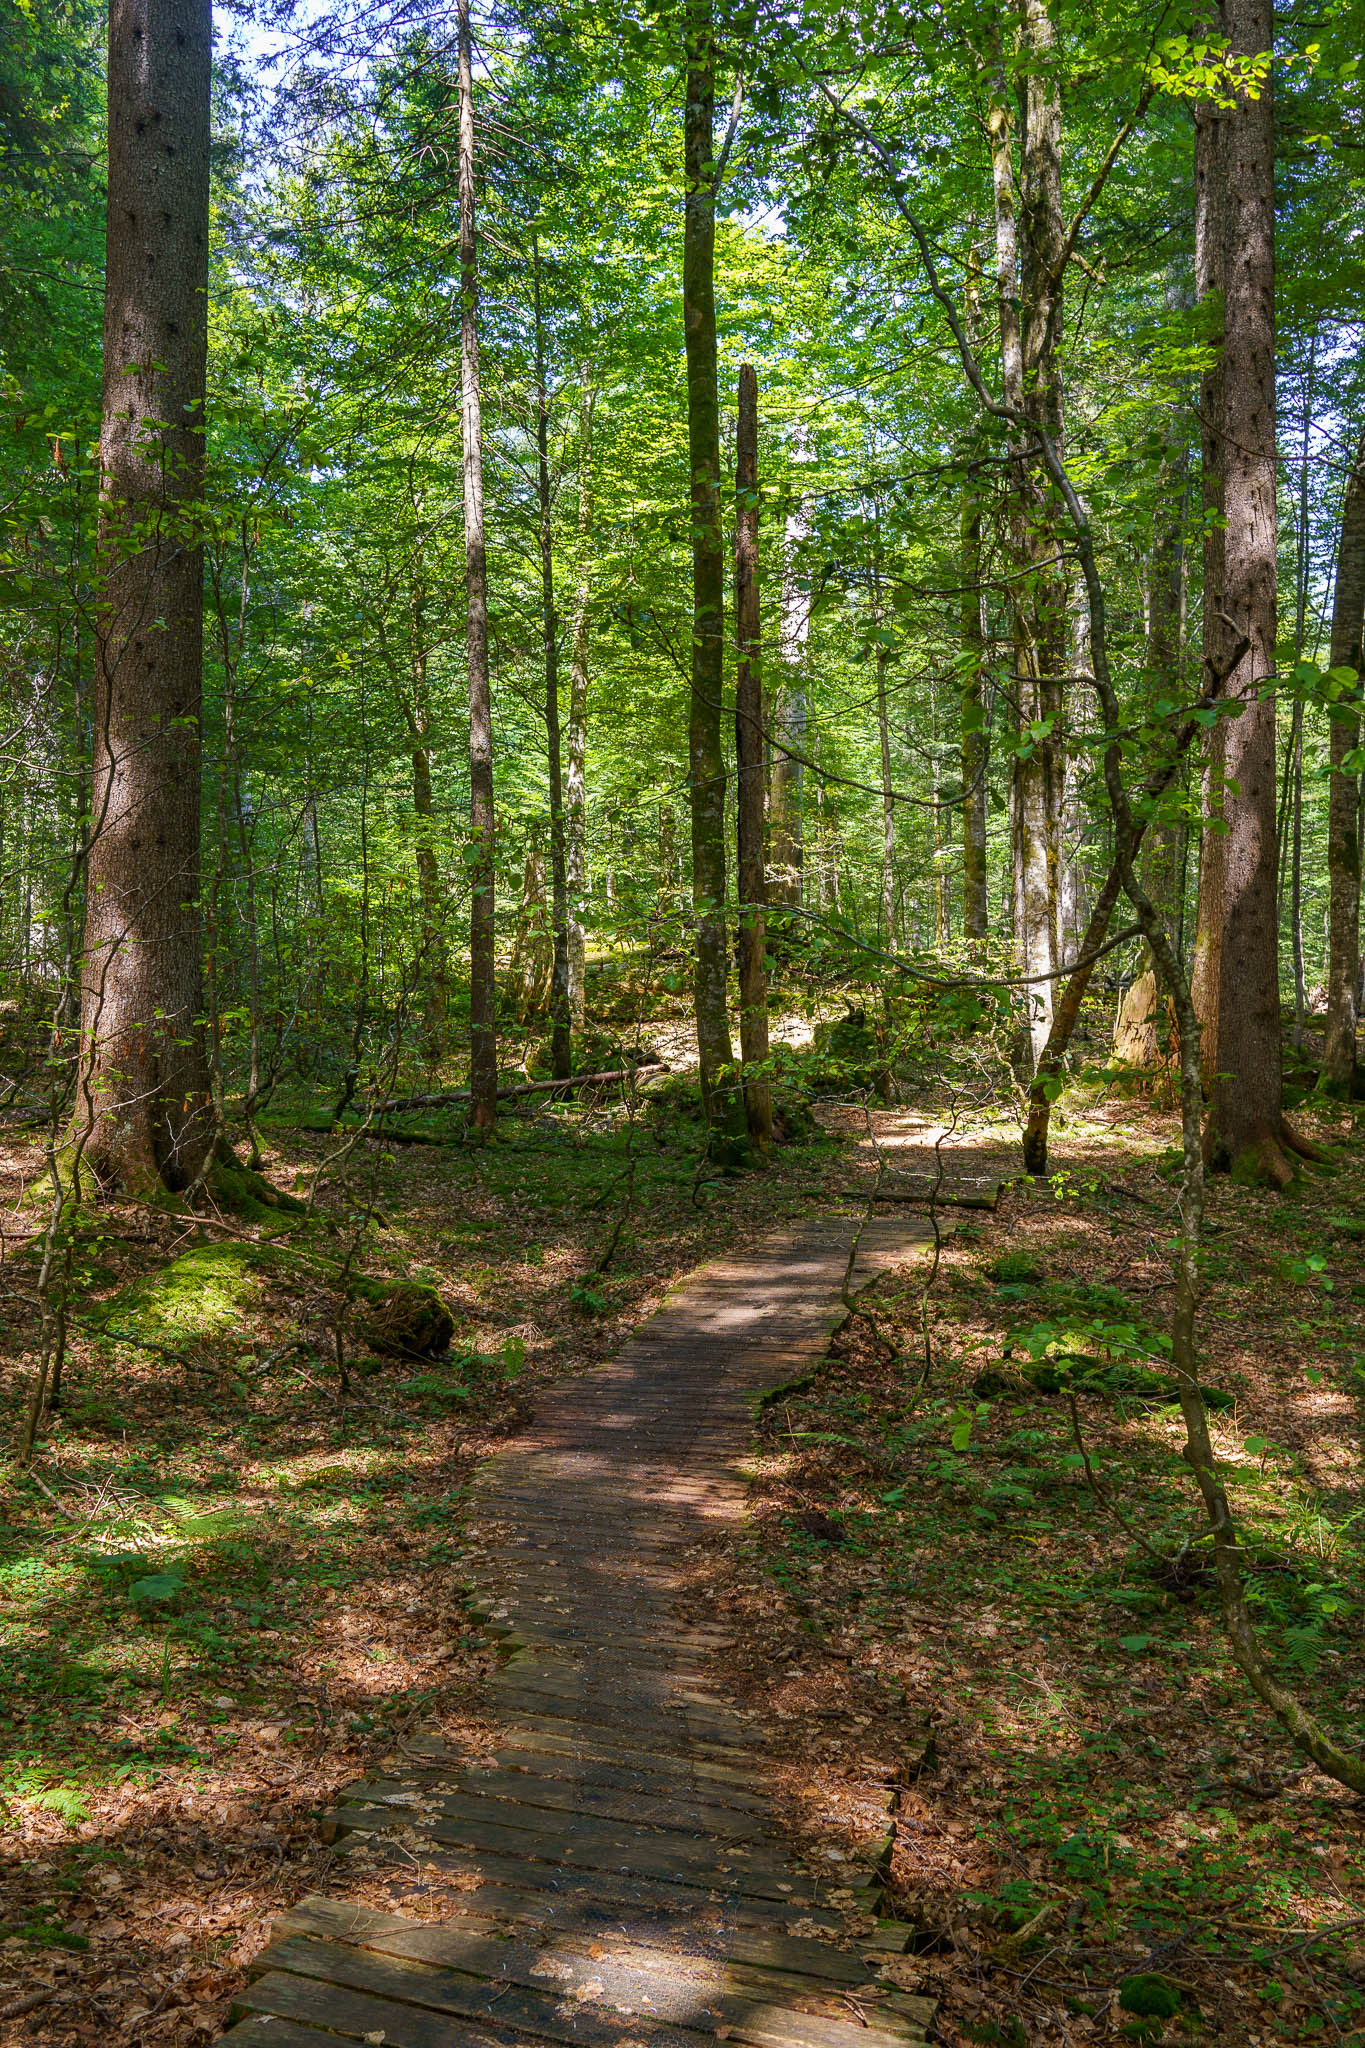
<point>753,973</point>
<point>975,742</point>
<point>483,995</point>
<point>561,1049</point>
<point>706,761</point>
<point>1209,266</point>
<point>576,782</point>
<point>1343,801</point>
<point>1246,1124</point>
<point>786,828</point>
<point>1030,243</point>
<point>143,1118</point>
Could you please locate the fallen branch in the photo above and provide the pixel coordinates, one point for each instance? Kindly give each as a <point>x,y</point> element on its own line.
<point>445,1095</point>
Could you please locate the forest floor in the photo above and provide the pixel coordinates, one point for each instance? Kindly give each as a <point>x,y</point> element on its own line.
<point>227,1590</point>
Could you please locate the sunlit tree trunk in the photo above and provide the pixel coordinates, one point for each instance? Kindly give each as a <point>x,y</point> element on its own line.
<point>143,1112</point>
<point>576,786</point>
<point>786,830</point>
<point>1246,1127</point>
<point>706,761</point>
<point>561,1051</point>
<point>975,743</point>
<point>1029,239</point>
<point>417,713</point>
<point>483,1048</point>
<point>753,973</point>
<point>1343,798</point>
<point>1209,261</point>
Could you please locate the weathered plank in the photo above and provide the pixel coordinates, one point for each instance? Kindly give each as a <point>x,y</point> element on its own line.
<point>606,1873</point>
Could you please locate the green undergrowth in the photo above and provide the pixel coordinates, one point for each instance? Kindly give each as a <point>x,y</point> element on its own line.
<point>228,1571</point>
<point>1085,1719</point>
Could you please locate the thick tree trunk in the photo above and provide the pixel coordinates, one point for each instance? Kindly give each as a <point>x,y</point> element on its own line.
<point>1343,799</point>
<point>576,786</point>
<point>143,1119</point>
<point>561,1050</point>
<point>1246,1126</point>
<point>753,972</point>
<point>706,761</point>
<point>1209,265</point>
<point>975,742</point>
<point>483,995</point>
<point>786,831</point>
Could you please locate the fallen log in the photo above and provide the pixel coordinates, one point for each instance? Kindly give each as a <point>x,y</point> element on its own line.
<point>446,1095</point>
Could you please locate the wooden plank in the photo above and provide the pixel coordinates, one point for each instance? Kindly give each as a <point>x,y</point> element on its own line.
<point>688,1858</point>
<point>620,1962</point>
<point>586,1997</point>
<point>587,1888</point>
<point>526,1793</point>
<point>265,2030</point>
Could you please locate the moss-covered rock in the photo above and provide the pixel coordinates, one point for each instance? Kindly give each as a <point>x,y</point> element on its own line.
<point>203,1293</point>
<point>402,1318</point>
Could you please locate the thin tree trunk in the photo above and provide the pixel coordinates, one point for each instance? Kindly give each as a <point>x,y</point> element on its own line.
<point>144,1098</point>
<point>561,1049</point>
<point>418,713</point>
<point>786,850</point>
<point>1296,735</point>
<point>1210,179</point>
<point>483,995</point>
<point>576,789</point>
<point>753,973</point>
<point>706,761</point>
<point>1343,797</point>
<point>1246,1127</point>
<point>975,742</point>
<point>1029,284</point>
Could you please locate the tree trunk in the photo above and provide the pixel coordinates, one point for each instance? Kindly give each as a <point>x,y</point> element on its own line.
<point>144,1119</point>
<point>753,973</point>
<point>1209,262</point>
<point>418,715</point>
<point>975,743</point>
<point>1029,282</point>
<point>706,761</point>
<point>576,788</point>
<point>1343,799</point>
<point>483,995</point>
<point>1246,1128</point>
<point>786,850</point>
<point>561,1050</point>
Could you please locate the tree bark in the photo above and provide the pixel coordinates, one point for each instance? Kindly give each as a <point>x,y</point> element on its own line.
<point>1029,247</point>
<point>418,716</point>
<point>144,1119</point>
<point>576,787</point>
<point>1343,799</point>
<point>706,761</point>
<point>1209,266</point>
<point>786,833</point>
<point>1246,1127</point>
<point>483,996</point>
<point>975,743</point>
<point>561,1049</point>
<point>753,972</point>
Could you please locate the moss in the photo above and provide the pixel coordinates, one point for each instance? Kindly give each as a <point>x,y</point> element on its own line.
<point>1149,1996</point>
<point>201,1294</point>
<point>249,1195</point>
<point>402,1318</point>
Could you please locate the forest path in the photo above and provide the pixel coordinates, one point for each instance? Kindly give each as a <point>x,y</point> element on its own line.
<point>610,1874</point>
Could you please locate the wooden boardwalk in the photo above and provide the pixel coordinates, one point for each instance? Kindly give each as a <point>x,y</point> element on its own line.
<point>615,1877</point>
